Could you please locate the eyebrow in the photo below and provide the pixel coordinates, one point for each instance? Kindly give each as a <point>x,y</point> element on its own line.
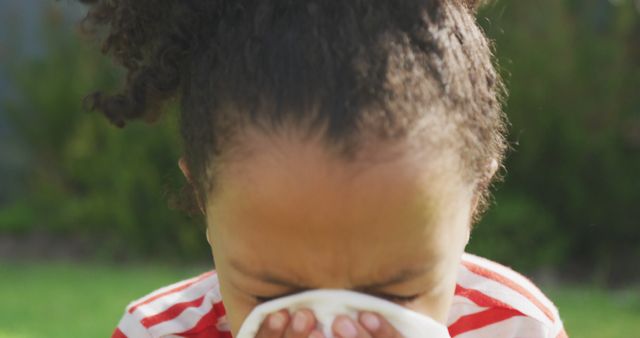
<point>394,279</point>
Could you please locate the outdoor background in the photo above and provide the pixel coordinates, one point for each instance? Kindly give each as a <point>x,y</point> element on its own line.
<point>85,222</point>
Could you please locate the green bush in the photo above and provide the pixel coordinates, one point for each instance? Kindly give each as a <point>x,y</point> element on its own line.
<point>571,192</point>
<point>573,71</point>
<point>84,175</point>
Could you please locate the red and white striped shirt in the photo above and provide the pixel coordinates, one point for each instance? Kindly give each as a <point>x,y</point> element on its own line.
<point>491,301</point>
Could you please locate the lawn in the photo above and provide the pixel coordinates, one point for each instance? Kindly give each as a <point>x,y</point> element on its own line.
<point>61,300</point>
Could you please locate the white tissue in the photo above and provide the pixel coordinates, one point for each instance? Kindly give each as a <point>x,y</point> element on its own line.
<point>326,304</point>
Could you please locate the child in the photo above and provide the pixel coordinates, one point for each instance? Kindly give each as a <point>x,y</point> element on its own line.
<point>330,144</point>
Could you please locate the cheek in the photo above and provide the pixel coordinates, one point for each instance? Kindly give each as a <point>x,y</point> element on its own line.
<point>437,304</point>
<point>237,306</point>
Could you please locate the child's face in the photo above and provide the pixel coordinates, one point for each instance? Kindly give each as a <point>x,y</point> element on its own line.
<point>291,217</point>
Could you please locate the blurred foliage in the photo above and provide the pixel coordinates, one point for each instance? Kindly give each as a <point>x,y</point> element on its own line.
<point>571,195</point>
<point>572,192</point>
<point>84,175</point>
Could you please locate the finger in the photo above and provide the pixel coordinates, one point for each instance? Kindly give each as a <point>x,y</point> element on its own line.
<point>274,325</point>
<point>345,327</point>
<point>377,325</point>
<point>316,334</point>
<point>301,324</point>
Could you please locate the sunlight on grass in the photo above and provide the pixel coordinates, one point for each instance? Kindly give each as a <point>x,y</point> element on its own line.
<point>8,334</point>
<point>595,313</point>
<point>64,300</point>
<point>61,300</point>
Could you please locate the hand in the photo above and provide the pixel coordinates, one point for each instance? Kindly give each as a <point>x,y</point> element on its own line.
<point>281,324</point>
<point>369,325</point>
<point>302,325</point>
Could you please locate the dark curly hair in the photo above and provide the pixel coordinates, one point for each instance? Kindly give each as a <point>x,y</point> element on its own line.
<point>405,69</point>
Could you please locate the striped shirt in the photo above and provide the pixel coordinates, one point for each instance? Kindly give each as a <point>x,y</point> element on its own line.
<point>490,301</point>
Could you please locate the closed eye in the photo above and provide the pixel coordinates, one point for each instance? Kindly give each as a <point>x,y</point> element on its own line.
<point>262,299</point>
<point>390,297</point>
<point>398,298</point>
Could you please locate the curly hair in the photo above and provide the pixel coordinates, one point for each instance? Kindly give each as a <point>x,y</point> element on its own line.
<point>419,69</point>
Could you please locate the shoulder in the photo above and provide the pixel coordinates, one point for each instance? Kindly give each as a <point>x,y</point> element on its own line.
<point>492,300</point>
<point>188,308</point>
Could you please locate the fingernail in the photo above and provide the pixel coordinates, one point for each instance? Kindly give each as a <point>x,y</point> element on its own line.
<point>276,321</point>
<point>345,328</point>
<point>370,321</point>
<point>299,322</point>
<point>316,334</point>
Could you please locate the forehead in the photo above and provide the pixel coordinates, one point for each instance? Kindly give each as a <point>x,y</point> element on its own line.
<point>292,201</point>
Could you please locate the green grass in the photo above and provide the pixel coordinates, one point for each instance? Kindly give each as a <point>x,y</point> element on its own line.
<point>597,313</point>
<point>61,300</point>
<point>69,300</point>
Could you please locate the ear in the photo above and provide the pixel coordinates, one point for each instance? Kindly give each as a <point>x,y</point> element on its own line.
<point>493,167</point>
<point>491,171</point>
<point>208,237</point>
<point>182,163</point>
<point>474,4</point>
<point>185,170</point>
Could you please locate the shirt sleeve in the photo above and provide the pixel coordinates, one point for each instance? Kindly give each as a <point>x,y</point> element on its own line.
<point>130,327</point>
<point>558,330</point>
